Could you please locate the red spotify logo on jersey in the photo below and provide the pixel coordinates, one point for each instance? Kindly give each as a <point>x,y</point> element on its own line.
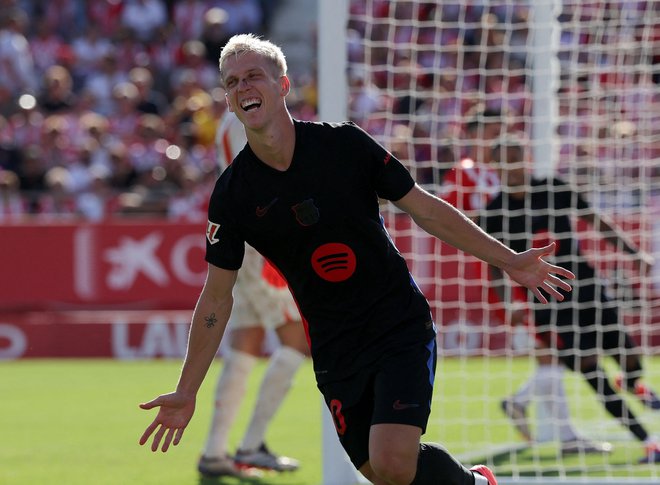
<point>334,262</point>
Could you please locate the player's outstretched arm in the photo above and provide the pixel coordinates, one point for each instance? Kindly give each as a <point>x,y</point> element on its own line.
<point>208,325</point>
<point>445,222</point>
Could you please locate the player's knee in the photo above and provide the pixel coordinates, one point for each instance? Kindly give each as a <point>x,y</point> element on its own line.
<point>397,469</point>
<point>299,346</point>
<point>292,335</point>
<point>368,473</point>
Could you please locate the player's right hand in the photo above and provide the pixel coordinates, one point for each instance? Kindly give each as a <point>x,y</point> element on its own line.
<point>176,410</point>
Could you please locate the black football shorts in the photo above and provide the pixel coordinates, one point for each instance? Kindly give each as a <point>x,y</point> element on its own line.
<point>396,389</point>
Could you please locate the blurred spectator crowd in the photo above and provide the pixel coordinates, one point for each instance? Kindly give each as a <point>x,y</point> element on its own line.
<point>420,70</point>
<point>110,107</point>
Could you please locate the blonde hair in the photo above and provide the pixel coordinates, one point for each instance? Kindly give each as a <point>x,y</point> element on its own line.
<point>243,43</point>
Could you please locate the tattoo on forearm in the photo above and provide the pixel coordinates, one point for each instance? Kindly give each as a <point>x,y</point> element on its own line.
<point>211,320</point>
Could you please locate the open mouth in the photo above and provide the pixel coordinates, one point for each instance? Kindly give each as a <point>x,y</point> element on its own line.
<point>250,104</point>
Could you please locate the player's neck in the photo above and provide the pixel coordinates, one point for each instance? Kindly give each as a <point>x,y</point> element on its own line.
<point>275,144</point>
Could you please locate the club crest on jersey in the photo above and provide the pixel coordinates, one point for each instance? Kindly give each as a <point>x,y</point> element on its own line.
<point>212,231</point>
<point>306,212</point>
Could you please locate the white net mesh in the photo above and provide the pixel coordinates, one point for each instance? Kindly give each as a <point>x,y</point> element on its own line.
<point>580,82</point>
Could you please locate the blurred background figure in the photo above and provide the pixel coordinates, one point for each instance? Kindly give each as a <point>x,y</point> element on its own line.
<point>586,323</point>
<point>17,68</point>
<point>12,205</point>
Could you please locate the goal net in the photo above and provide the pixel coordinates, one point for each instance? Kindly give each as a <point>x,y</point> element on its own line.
<point>579,83</point>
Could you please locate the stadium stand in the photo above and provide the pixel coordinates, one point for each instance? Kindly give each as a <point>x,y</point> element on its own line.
<point>105,114</point>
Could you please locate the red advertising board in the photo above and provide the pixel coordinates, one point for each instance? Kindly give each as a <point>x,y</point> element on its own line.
<point>141,264</point>
<point>112,334</point>
<point>125,289</point>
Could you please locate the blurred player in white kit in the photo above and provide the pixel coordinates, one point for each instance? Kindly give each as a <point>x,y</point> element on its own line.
<point>262,302</point>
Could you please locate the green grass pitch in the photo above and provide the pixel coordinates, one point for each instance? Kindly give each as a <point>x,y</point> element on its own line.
<point>77,422</point>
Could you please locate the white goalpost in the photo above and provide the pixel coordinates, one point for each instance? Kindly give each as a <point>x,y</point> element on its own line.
<point>580,80</point>
<point>337,468</point>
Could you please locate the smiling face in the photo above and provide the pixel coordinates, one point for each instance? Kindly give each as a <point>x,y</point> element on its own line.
<point>254,90</point>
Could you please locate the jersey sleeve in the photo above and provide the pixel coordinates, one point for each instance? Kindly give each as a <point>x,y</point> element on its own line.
<point>390,178</point>
<point>225,247</point>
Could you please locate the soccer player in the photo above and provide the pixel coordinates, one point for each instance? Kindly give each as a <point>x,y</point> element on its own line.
<point>469,186</point>
<point>261,302</point>
<point>306,195</point>
<point>585,323</point>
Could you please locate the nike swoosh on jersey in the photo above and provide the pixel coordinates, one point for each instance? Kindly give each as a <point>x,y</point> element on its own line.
<point>261,211</point>
<point>399,406</point>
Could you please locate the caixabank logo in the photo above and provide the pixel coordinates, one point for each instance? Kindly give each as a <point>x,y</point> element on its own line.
<point>138,263</point>
<point>334,262</point>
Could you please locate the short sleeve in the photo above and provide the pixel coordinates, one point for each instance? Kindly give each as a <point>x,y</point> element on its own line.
<point>225,247</point>
<point>389,176</point>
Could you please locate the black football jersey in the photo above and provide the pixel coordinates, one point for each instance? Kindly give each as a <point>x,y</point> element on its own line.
<point>319,224</point>
<point>545,214</point>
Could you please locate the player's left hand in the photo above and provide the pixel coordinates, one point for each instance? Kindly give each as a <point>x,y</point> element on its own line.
<point>176,410</point>
<point>534,273</point>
